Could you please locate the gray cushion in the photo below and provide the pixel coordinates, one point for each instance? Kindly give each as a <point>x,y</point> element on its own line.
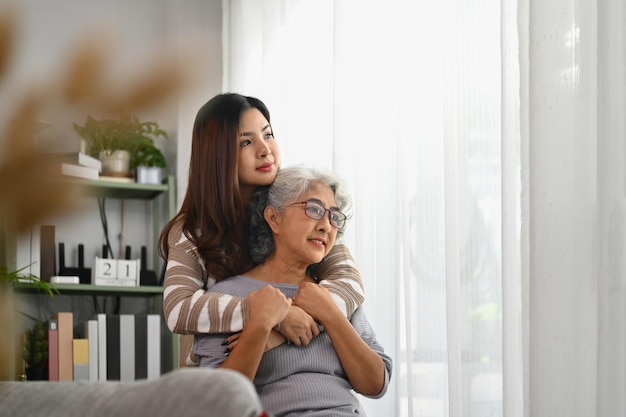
<point>185,392</point>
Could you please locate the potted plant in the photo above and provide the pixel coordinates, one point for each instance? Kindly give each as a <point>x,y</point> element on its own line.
<point>35,353</point>
<point>150,163</point>
<point>8,280</point>
<point>122,143</point>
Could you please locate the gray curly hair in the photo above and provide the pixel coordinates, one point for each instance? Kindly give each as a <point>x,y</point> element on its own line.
<point>289,185</point>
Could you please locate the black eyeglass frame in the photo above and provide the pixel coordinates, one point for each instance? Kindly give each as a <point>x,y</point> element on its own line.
<point>334,222</point>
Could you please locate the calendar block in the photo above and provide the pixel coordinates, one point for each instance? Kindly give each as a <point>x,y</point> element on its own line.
<point>128,270</point>
<point>116,272</point>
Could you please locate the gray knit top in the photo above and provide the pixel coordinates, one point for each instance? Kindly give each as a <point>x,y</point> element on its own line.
<point>297,380</point>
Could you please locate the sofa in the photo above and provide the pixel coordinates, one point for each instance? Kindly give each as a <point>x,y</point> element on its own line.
<point>189,392</point>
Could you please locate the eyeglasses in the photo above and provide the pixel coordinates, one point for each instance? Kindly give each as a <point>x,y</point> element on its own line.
<point>316,211</point>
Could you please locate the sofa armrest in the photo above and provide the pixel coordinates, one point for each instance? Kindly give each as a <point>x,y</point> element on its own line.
<point>192,392</point>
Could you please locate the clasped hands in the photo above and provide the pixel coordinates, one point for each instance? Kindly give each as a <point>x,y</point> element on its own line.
<point>295,320</point>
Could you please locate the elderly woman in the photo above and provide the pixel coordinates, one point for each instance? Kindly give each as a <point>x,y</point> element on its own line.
<point>294,224</point>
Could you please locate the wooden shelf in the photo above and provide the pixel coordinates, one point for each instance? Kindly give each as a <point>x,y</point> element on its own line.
<point>89,289</point>
<point>113,189</point>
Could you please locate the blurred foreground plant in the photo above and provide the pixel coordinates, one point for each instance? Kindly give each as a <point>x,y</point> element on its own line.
<point>27,194</point>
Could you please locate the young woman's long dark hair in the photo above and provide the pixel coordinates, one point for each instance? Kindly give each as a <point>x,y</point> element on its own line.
<point>212,210</point>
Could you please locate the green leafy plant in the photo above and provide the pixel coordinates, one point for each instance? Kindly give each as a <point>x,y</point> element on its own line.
<point>150,156</point>
<point>124,133</point>
<point>35,352</point>
<point>18,278</point>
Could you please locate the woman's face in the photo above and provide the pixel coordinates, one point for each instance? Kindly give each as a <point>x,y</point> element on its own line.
<point>300,238</point>
<point>258,155</point>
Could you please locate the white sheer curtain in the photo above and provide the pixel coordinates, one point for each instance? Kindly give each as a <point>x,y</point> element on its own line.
<point>483,142</point>
<point>611,197</point>
<point>405,100</point>
<point>573,109</point>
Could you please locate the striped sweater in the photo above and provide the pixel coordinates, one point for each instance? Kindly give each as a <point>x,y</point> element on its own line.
<point>190,306</point>
<point>297,380</point>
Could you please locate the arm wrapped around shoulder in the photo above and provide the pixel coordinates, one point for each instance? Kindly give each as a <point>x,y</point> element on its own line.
<point>337,272</point>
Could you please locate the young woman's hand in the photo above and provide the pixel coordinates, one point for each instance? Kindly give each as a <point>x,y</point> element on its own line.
<point>267,306</point>
<point>317,301</point>
<point>298,327</point>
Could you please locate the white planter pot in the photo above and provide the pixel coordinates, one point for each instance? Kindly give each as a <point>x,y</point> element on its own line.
<point>149,175</point>
<point>115,163</point>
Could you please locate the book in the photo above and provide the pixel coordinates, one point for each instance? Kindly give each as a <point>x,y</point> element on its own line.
<point>35,251</point>
<point>91,333</point>
<point>127,347</point>
<point>154,346</point>
<point>53,350</point>
<point>102,346</point>
<point>73,170</point>
<point>75,158</point>
<point>28,253</point>
<point>141,346</point>
<point>23,255</point>
<point>47,252</point>
<point>65,321</point>
<point>80,359</point>
<point>113,347</point>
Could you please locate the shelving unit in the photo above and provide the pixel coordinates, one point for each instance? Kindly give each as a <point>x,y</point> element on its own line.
<point>126,190</point>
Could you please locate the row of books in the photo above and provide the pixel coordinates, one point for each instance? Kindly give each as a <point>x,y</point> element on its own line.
<point>115,347</point>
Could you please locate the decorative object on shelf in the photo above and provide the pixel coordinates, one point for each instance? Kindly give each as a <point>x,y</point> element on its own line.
<point>149,174</point>
<point>116,272</point>
<point>150,165</point>
<point>146,276</point>
<point>83,273</point>
<point>35,353</point>
<point>115,163</point>
<point>122,144</point>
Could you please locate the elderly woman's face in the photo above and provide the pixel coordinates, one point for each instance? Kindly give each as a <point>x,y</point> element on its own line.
<point>302,238</point>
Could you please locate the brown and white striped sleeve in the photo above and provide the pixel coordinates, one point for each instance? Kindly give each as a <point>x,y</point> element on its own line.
<point>337,272</point>
<point>189,307</point>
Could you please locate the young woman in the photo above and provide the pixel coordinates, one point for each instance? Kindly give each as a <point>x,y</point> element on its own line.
<point>233,152</point>
<point>295,223</point>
